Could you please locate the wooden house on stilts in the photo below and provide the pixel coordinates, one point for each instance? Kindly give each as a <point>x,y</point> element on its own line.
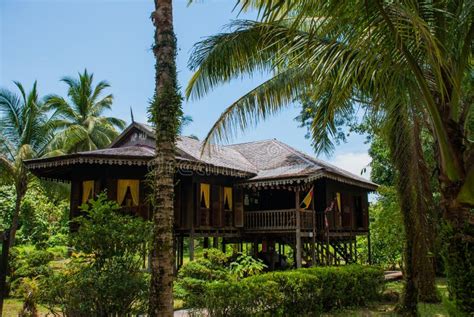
<point>265,193</point>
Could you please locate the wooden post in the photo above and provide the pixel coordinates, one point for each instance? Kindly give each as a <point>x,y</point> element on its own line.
<point>175,252</point>
<point>223,245</point>
<point>355,249</point>
<point>298,229</point>
<point>191,245</point>
<point>181,248</point>
<point>369,248</point>
<point>205,243</point>
<point>215,242</point>
<point>313,237</point>
<point>5,239</point>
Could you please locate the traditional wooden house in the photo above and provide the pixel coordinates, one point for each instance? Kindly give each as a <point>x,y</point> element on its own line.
<point>265,193</point>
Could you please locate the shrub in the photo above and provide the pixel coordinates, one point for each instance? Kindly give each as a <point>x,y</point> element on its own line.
<point>28,262</point>
<point>297,292</point>
<point>301,292</point>
<point>242,298</point>
<point>104,276</point>
<point>245,266</point>
<point>350,285</point>
<point>195,275</point>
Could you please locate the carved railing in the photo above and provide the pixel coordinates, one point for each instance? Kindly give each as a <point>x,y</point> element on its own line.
<point>274,220</point>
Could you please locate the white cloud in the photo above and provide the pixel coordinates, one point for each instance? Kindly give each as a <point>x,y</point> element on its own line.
<point>353,162</point>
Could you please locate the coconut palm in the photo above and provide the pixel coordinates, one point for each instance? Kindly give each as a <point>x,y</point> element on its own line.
<point>383,53</point>
<point>25,131</point>
<point>81,124</point>
<point>166,114</point>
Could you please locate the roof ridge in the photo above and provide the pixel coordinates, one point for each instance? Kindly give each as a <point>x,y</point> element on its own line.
<point>295,151</point>
<point>249,142</point>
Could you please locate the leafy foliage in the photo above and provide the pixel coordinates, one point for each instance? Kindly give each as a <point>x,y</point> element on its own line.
<point>80,123</point>
<point>386,231</point>
<point>292,293</point>
<point>104,276</point>
<point>28,263</point>
<point>42,221</point>
<point>245,266</point>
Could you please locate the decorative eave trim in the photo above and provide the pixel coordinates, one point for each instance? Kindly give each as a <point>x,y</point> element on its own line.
<point>303,181</point>
<point>86,160</point>
<point>182,166</point>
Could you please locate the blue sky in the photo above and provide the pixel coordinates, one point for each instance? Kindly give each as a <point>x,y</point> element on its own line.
<point>45,40</point>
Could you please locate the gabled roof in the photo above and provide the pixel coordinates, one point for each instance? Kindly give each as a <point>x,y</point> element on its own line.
<point>261,163</point>
<point>277,163</point>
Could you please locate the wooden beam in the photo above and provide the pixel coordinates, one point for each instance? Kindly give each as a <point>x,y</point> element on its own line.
<point>298,229</point>
<point>191,245</point>
<point>313,237</point>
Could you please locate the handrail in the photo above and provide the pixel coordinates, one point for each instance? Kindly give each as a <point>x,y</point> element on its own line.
<point>283,219</point>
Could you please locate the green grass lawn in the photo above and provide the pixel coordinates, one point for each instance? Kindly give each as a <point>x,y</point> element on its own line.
<point>12,306</point>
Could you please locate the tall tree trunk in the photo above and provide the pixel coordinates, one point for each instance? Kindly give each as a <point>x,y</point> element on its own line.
<point>458,251</point>
<point>165,111</point>
<point>424,265</point>
<point>21,188</point>
<point>401,149</point>
<point>458,233</point>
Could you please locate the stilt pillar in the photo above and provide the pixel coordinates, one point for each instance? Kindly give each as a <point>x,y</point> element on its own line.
<point>191,246</point>
<point>298,230</point>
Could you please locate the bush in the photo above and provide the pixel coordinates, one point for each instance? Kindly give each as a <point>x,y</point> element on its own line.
<point>242,298</point>
<point>297,292</point>
<point>195,275</point>
<point>300,291</point>
<point>104,276</point>
<point>28,262</point>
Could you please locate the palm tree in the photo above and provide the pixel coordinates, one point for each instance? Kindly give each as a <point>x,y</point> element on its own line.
<point>25,132</point>
<point>166,115</point>
<point>80,123</point>
<point>378,52</point>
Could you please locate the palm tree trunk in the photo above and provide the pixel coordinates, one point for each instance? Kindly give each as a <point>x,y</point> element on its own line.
<point>458,251</point>
<point>458,235</point>
<point>20,194</point>
<point>401,150</point>
<point>165,113</point>
<point>424,265</point>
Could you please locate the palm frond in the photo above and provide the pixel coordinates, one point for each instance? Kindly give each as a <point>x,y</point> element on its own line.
<point>260,103</point>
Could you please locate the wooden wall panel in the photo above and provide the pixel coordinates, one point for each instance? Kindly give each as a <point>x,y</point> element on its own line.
<point>238,207</point>
<point>217,205</point>
<point>177,206</point>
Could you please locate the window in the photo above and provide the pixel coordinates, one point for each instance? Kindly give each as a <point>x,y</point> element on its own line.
<point>227,198</point>
<point>87,190</point>
<point>128,192</point>
<point>205,200</point>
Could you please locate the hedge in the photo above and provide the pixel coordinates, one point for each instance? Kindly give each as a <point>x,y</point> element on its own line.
<point>296,292</point>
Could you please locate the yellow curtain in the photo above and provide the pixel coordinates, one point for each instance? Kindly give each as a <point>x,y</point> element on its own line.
<point>307,200</point>
<point>228,196</point>
<point>338,197</point>
<point>206,193</point>
<point>87,190</point>
<point>123,185</point>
